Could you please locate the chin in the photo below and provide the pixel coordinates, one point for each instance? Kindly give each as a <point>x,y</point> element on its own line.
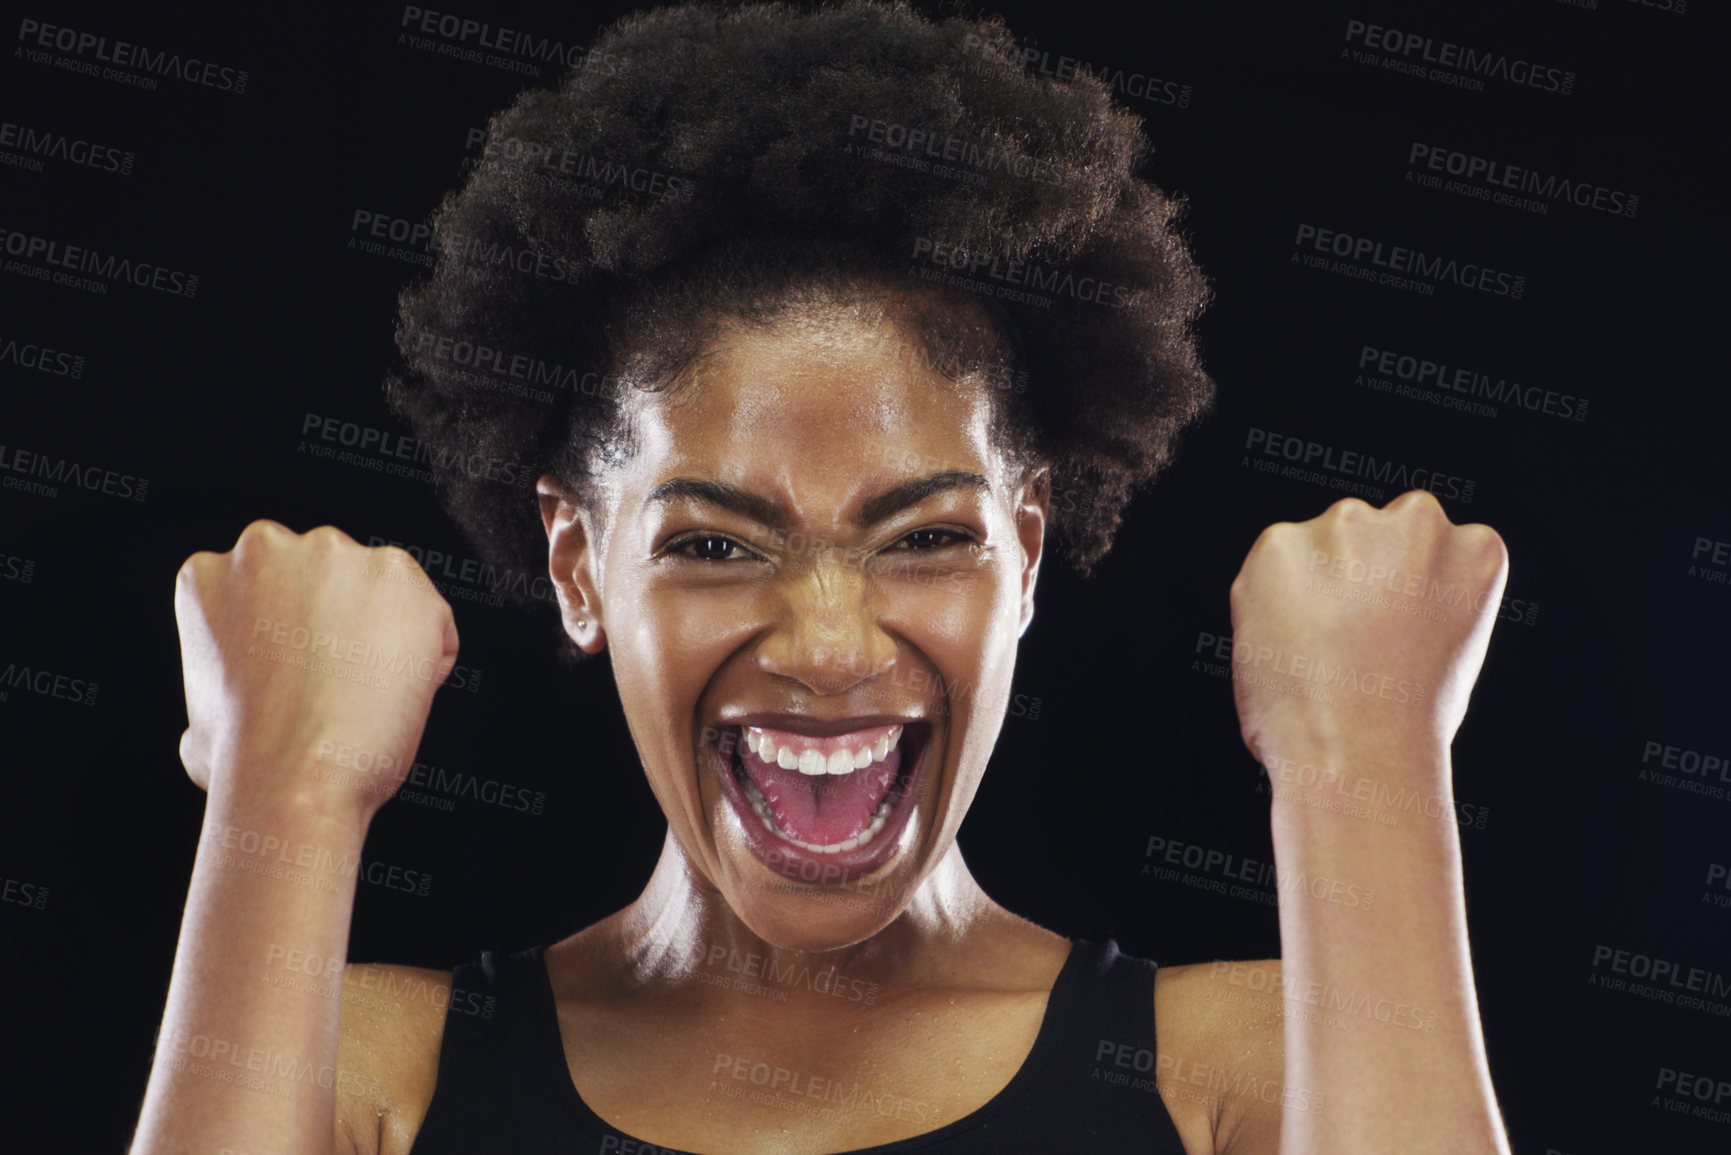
<point>799,916</point>
<point>813,928</point>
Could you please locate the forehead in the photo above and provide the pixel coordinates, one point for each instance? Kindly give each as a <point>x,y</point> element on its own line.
<point>836,397</point>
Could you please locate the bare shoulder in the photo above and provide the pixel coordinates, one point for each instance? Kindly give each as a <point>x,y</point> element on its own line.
<point>1221,1063</point>
<point>391,1026</point>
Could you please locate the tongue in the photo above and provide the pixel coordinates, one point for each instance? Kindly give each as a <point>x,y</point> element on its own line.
<point>822,809</point>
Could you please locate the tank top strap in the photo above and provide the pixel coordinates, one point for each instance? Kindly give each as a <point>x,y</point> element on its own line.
<point>491,1012</point>
<point>1099,1056</point>
<point>500,1060</point>
<point>1112,997</point>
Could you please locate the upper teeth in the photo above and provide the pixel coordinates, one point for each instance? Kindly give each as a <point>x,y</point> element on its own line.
<point>814,761</point>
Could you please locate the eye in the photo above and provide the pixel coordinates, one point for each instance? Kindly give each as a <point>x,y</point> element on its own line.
<point>710,547</point>
<point>922,540</point>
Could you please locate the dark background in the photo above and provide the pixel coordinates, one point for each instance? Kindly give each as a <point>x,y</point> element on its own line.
<point>205,397</point>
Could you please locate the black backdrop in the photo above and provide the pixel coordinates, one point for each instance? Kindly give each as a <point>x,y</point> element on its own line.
<point>1587,835</point>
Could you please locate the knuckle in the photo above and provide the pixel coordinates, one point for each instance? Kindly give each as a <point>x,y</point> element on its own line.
<point>1273,532</point>
<point>188,573</point>
<point>261,529</point>
<point>1425,503</point>
<point>1350,509</point>
<point>260,539</point>
<point>1483,539</point>
<point>394,555</point>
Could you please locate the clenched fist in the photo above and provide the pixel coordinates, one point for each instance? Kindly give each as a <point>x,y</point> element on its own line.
<point>310,664</point>
<point>1362,631</point>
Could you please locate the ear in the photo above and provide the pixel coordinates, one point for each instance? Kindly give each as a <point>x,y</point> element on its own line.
<point>1033,504</point>
<point>572,558</point>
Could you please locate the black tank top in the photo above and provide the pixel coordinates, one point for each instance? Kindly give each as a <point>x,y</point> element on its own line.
<point>504,1087</point>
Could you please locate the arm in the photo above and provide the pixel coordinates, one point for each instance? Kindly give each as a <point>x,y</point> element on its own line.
<point>1350,699</point>
<point>310,665</point>
<point>1405,1069</point>
<point>240,1062</point>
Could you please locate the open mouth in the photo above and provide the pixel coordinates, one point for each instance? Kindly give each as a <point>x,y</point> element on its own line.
<point>822,810</point>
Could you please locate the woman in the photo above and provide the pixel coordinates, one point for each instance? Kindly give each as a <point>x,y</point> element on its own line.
<point>849,311</point>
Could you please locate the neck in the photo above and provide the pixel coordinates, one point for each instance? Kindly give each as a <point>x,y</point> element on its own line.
<point>681,926</point>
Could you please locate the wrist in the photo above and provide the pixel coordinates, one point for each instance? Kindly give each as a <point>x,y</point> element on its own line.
<point>298,809</point>
<point>1358,785</point>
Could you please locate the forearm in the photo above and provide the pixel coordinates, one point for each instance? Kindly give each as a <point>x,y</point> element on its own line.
<point>242,1062</point>
<point>1397,1056</point>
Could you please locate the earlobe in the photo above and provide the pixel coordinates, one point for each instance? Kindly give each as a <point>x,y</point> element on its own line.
<point>589,637</point>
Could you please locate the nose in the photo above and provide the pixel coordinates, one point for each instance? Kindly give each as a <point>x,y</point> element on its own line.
<point>827,636</point>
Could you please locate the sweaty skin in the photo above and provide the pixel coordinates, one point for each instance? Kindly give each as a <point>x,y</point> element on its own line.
<point>709,610</point>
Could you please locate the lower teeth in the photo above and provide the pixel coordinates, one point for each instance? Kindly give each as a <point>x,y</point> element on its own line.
<point>880,815</point>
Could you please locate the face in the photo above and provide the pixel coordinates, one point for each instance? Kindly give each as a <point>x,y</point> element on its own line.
<point>811,576</point>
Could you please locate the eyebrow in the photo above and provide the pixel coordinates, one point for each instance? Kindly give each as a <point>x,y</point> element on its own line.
<point>770,513</point>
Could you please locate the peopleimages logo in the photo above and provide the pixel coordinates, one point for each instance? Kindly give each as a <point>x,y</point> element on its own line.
<point>445,569</point>
<point>41,358</point>
<point>1026,276</point>
<point>1272,664</point>
<point>48,684</point>
<point>39,39</point>
<point>1123,81</point>
<point>479,42</point>
<point>385,448</point>
<point>1438,378</point>
<point>1397,266</point>
<point>1660,979</point>
<point>36,145</point>
<point>28,463</point>
<point>1314,456</point>
<point>77,259</point>
<point>1428,58</point>
<point>501,370</point>
<point>927,145</point>
<point>1507,184</point>
<point>568,168</point>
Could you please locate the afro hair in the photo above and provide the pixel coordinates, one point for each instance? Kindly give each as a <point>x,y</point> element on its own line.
<point>702,164</point>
